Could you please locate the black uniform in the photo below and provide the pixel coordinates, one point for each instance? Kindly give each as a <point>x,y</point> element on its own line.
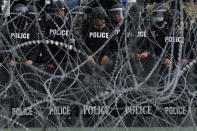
<point>161,38</point>
<point>117,27</point>
<point>165,36</point>
<point>94,39</point>
<point>59,55</point>
<point>19,31</point>
<point>157,38</point>
<point>76,19</point>
<point>119,36</point>
<point>57,30</point>
<point>175,43</point>
<point>190,39</point>
<point>24,32</point>
<point>143,44</point>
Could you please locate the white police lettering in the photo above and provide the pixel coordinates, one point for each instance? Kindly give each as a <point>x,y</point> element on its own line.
<point>174,39</point>
<point>96,110</point>
<point>58,32</point>
<point>141,34</point>
<point>117,31</point>
<point>98,35</point>
<point>22,112</point>
<point>176,110</point>
<point>60,110</point>
<point>138,110</point>
<point>20,35</point>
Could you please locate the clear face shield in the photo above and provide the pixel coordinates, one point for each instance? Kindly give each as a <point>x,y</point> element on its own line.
<point>78,17</point>
<point>59,8</point>
<point>117,14</point>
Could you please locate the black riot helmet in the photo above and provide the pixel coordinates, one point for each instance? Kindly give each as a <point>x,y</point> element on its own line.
<point>32,9</point>
<point>59,5</point>
<point>117,12</point>
<point>77,11</point>
<point>117,8</point>
<point>159,13</point>
<point>20,16</point>
<point>77,14</point>
<point>59,8</point>
<point>99,13</point>
<point>32,12</point>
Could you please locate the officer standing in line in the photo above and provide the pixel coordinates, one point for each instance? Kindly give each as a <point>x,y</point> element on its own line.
<point>120,47</point>
<point>58,30</point>
<point>119,26</point>
<point>166,35</point>
<point>176,39</point>
<point>118,23</point>
<point>157,34</point>
<point>17,32</point>
<point>20,31</point>
<point>59,58</point>
<point>95,36</point>
<point>77,20</point>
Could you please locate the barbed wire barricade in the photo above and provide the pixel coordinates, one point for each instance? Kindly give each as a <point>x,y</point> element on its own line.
<point>129,92</point>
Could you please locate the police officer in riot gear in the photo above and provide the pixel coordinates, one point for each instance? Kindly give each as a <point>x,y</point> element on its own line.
<point>95,36</point>
<point>120,45</point>
<point>168,37</point>
<point>76,23</point>
<point>180,36</point>
<point>157,32</point>
<point>20,31</point>
<point>59,58</point>
<point>118,25</point>
<point>117,12</point>
<point>77,20</point>
<point>57,29</point>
